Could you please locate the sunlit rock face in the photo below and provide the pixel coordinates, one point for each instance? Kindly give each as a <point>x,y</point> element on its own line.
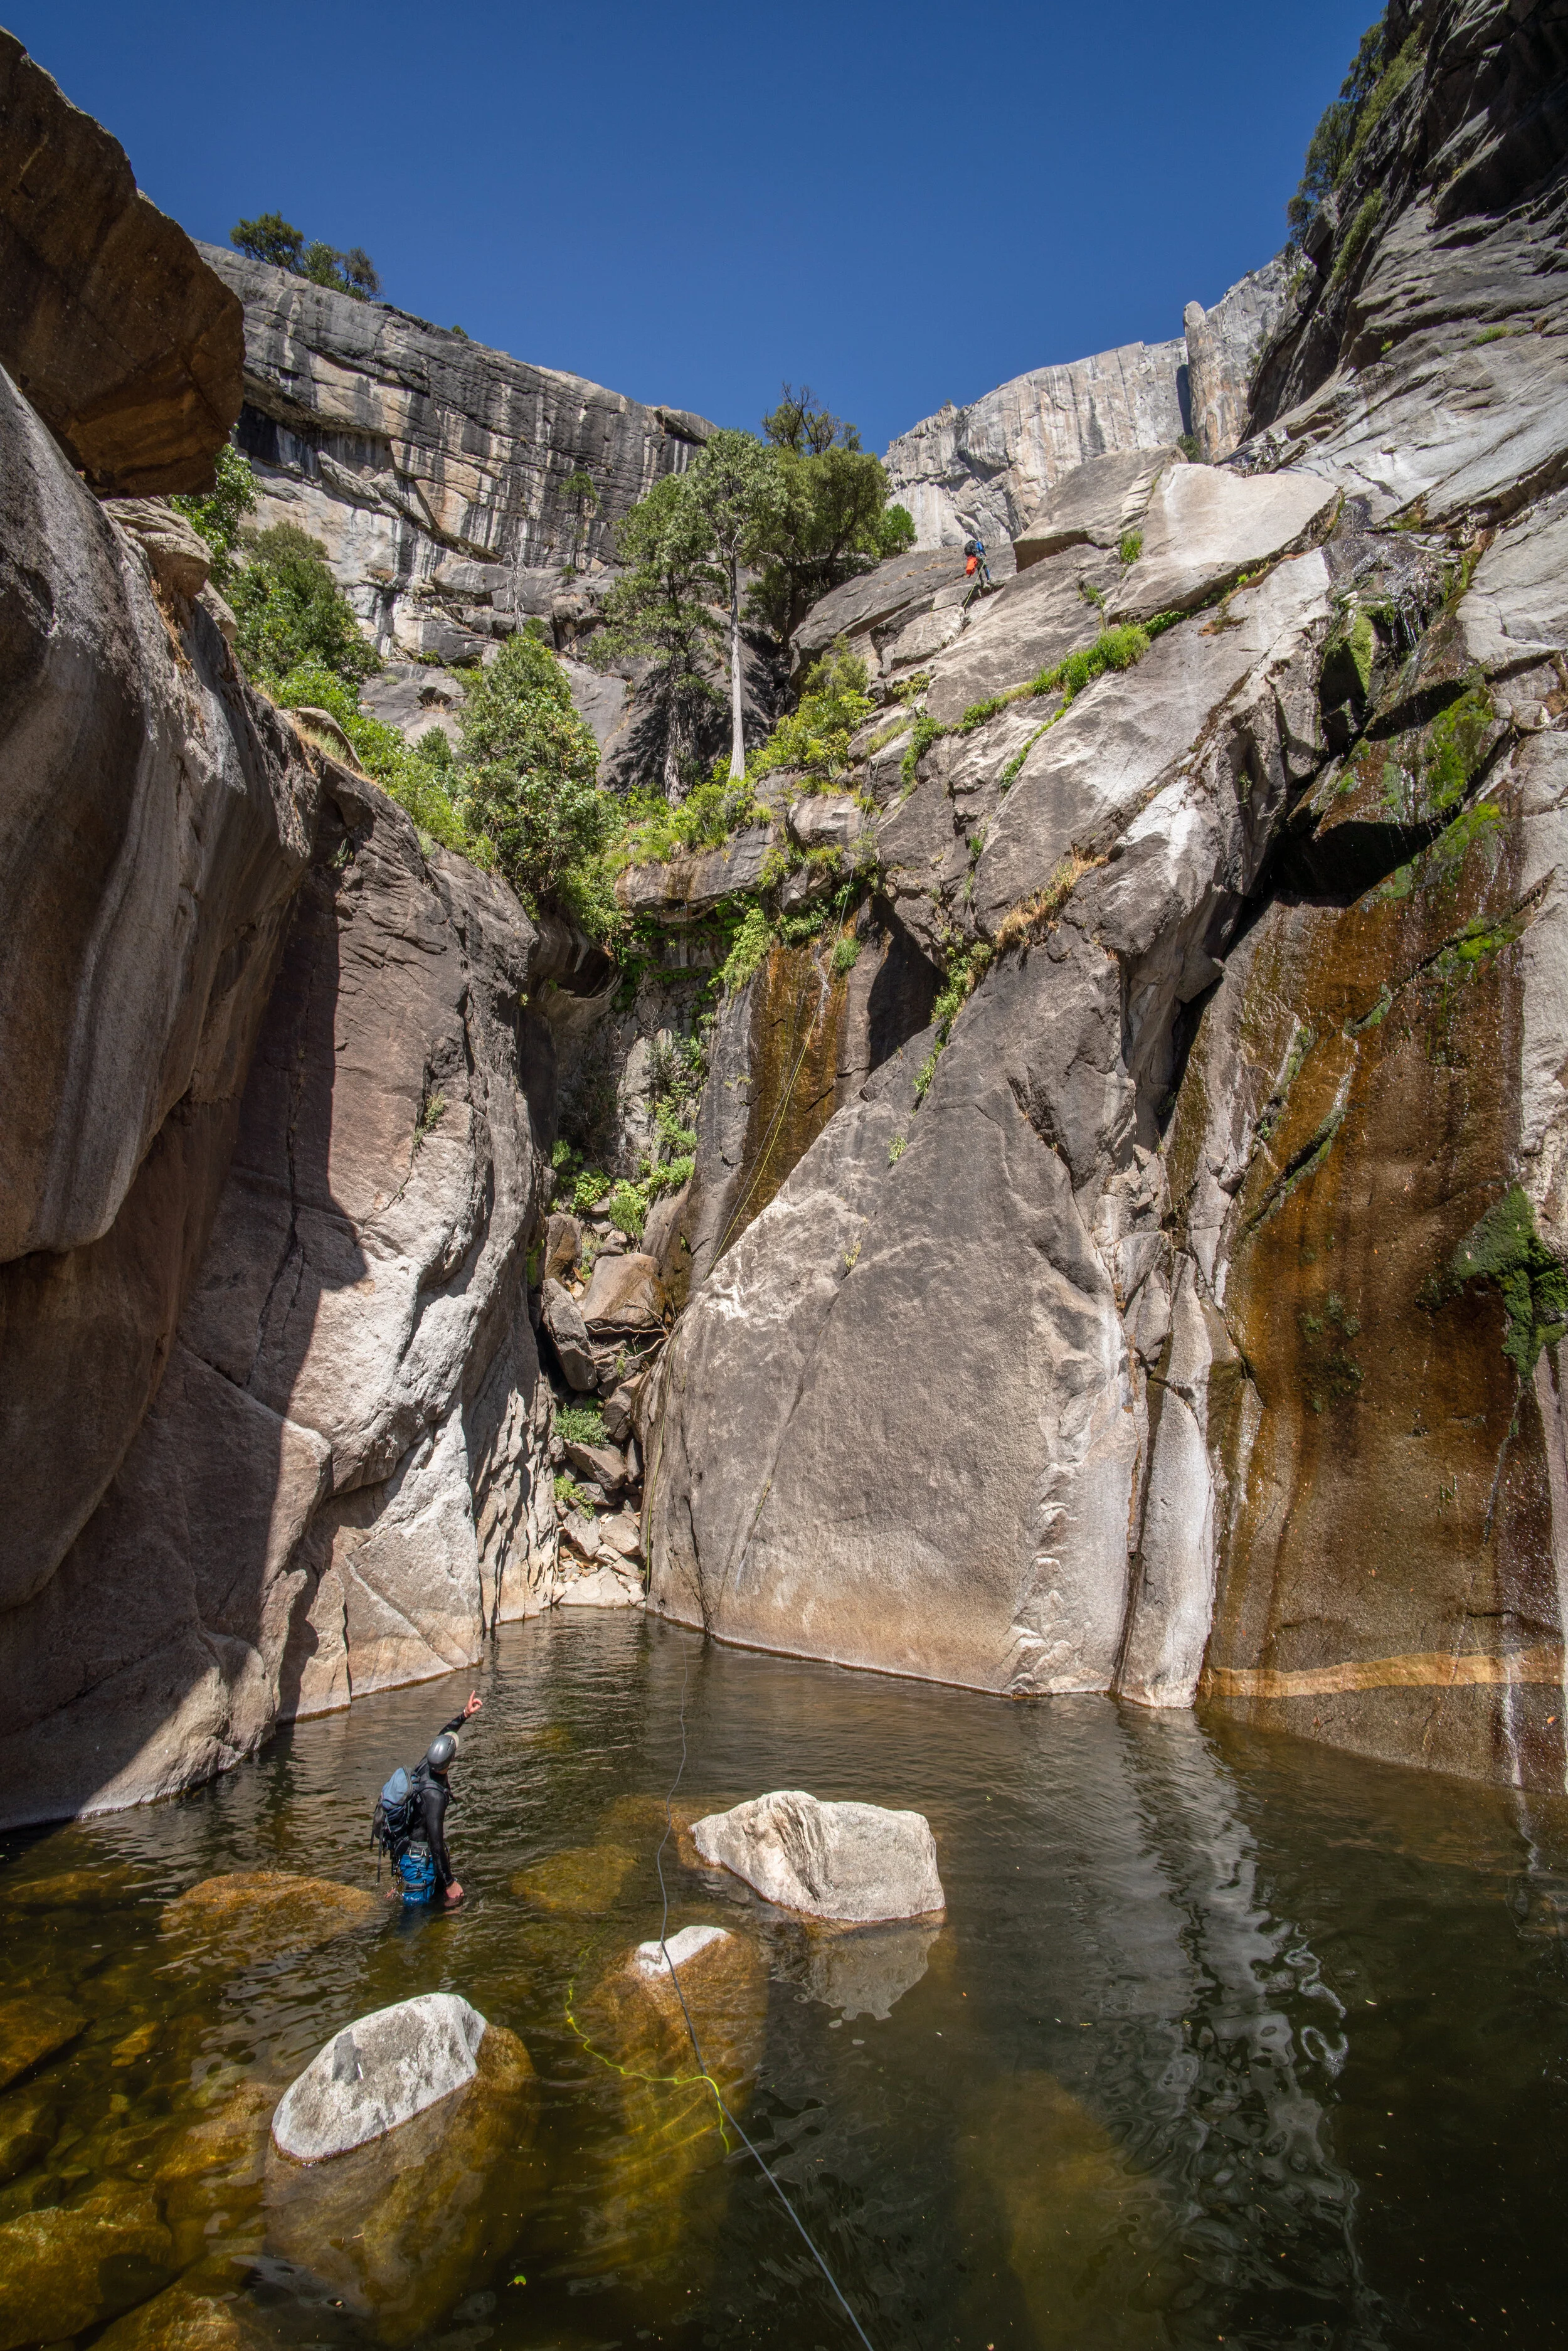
<point>433,469</point>
<point>983,469</point>
<point>1186,1324</point>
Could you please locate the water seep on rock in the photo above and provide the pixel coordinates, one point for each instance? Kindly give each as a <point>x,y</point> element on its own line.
<point>849,1862</point>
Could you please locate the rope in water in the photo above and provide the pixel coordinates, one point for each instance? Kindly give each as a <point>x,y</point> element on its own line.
<point>696,2045</point>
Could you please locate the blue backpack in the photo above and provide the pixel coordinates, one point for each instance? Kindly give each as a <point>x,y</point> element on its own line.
<point>392,1822</point>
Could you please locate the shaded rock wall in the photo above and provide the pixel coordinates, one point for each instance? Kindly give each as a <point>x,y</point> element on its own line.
<point>157,820</point>
<point>339,1483</point>
<point>1195,1335</point>
<point>276,1117</point>
<point>430,466</point>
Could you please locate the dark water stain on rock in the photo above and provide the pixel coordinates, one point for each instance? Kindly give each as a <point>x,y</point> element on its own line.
<point>1387,1578</point>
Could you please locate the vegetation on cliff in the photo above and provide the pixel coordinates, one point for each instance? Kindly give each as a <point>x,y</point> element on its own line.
<point>270,238</point>
<point>1375,80</point>
<point>529,784</point>
<point>795,514</point>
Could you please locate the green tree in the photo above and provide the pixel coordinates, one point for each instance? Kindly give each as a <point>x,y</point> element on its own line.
<point>803,427</point>
<point>220,516</point>
<point>581,499</point>
<point>660,609</point>
<point>735,488</point>
<point>290,610</point>
<point>270,238</point>
<point>346,273</point>
<point>1332,141</point>
<point>530,783</point>
<point>832,522</point>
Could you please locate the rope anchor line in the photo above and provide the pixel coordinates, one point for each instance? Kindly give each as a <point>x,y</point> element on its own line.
<point>691,2029</point>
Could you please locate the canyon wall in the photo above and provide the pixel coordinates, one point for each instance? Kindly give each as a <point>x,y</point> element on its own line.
<point>433,469</point>
<point>276,1110</point>
<point>1180,1317</point>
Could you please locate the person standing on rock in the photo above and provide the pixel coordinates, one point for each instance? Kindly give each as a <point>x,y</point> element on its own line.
<point>432,1795</point>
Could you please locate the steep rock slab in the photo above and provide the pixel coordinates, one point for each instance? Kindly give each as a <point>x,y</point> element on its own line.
<point>1094,506</point>
<point>430,467</point>
<point>158,820</point>
<point>1224,347</point>
<point>1419,361</point>
<point>365,1279</point>
<point>1027,626</point>
<point>112,324</point>
<point>339,1484</point>
<point>1205,527</point>
<point>1111,777</point>
<point>804,1493</point>
<point>1370,1087</point>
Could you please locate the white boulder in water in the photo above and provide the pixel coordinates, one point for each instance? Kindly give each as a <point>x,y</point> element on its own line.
<point>853,1863</point>
<point>378,2072</point>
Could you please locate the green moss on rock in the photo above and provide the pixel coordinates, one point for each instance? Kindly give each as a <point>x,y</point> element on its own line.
<point>1504,1249</point>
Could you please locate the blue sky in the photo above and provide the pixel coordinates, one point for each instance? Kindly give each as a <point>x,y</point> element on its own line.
<point>688,202</point>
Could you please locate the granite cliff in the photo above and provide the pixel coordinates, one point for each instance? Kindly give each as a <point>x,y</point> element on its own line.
<point>1124,1248</point>
<point>274,1114</point>
<point>1178,1316</point>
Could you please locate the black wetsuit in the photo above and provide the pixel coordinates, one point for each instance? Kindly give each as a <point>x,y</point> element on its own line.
<point>431,1796</point>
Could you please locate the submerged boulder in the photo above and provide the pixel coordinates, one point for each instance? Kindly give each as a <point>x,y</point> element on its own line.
<point>187,2319</point>
<point>664,2176</point>
<point>32,2029</point>
<point>853,1863</point>
<point>63,2270</point>
<point>378,2072</point>
<point>397,2228</point>
<point>586,1879</point>
<point>259,1914</point>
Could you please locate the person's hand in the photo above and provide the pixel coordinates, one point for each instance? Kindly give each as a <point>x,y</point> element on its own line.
<point>474,1703</point>
<point>455,1892</point>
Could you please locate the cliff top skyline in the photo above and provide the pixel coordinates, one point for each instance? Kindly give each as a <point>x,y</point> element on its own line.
<point>914,209</point>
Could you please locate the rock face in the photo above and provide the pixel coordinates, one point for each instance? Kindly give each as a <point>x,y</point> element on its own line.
<point>851,1863</point>
<point>112,325</point>
<point>340,1472</point>
<point>985,469</point>
<point>1230,1201</point>
<point>432,468</point>
<point>275,1124</point>
<point>378,2072</point>
<point>1206,528</point>
<point>1224,347</point>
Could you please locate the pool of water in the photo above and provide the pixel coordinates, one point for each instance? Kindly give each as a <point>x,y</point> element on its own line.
<point>1222,2039</point>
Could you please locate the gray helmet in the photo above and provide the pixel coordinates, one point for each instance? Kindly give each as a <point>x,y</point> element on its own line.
<point>441,1751</point>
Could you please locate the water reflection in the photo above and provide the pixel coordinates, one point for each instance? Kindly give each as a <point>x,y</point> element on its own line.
<point>1221,2038</point>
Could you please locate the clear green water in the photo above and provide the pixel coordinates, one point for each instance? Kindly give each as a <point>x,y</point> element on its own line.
<point>1223,2039</point>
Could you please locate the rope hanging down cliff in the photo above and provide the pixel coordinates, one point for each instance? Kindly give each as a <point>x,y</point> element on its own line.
<point>691,2029</point>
